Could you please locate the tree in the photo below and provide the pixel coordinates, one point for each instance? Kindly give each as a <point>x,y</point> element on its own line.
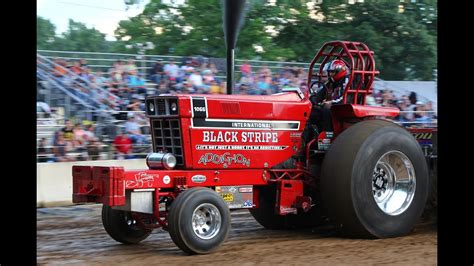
<point>45,33</point>
<point>403,34</point>
<point>404,47</point>
<point>80,38</point>
<point>196,28</point>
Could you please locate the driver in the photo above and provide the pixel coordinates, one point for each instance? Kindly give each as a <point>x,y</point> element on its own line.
<point>329,93</point>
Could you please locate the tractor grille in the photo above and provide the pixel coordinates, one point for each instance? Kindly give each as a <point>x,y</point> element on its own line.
<point>166,133</point>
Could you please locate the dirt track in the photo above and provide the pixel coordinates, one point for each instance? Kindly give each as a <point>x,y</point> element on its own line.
<point>75,235</point>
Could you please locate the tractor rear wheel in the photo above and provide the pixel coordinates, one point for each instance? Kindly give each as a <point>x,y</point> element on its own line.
<point>374,181</point>
<point>122,227</point>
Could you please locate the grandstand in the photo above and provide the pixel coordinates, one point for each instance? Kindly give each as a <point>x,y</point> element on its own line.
<point>71,86</point>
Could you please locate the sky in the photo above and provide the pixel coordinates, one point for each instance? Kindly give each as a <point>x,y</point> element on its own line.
<point>103,15</point>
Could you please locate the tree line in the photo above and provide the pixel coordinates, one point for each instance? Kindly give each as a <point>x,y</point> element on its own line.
<point>403,34</point>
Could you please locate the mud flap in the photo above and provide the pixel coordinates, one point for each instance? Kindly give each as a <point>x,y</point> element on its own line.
<point>290,197</point>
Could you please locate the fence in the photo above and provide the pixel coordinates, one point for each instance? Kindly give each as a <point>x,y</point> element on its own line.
<point>104,61</point>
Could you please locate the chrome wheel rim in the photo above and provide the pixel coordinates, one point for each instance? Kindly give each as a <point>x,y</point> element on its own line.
<point>206,221</point>
<point>393,183</point>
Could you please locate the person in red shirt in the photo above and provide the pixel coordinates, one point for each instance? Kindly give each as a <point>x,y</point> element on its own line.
<point>245,68</point>
<point>123,146</point>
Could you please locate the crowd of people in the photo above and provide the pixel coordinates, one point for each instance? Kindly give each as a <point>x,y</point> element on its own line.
<point>192,76</point>
<point>123,88</point>
<point>70,143</point>
<point>79,142</point>
<point>413,110</point>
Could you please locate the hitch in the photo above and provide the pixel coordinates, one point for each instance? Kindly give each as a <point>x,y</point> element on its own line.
<point>99,185</point>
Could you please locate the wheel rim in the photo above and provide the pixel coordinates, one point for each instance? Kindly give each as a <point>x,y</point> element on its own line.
<point>206,221</point>
<point>393,183</point>
<point>131,223</point>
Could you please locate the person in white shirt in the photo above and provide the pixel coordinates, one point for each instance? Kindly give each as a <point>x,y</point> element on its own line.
<point>171,70</point>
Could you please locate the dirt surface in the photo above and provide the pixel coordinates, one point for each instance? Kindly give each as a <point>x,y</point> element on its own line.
<point>75,235</point>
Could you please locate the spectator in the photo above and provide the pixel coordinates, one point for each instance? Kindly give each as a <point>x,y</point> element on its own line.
<point>76,68</point>
<point>429,109</point>
<point>188,87</point>
<point>137,83</point>
<point>132,128</point>
<point>61,148</point>
<point>43,151</point>
<point>68,131</point>
<point>83,63</point>
<point>130,67</point>
<point>94,148</point>
<point>90,132</point>
<point>245,68</point>
<point>172,70</point>
<point>186,70</point>
<point>196,80</point>
<point>263,88</point>
<point>402,106</point>
<point>156,72</point>
<point>59,68</point>
<point>243,89</point>
<point>207,77</point>
<point>422,117</point>
<point>264,71</point>
<point>412,107</point>
<point>101,81</point>
<point>79,135</point>
<point>123,146</point>
<point>213,69</point>
<point>215,88</point>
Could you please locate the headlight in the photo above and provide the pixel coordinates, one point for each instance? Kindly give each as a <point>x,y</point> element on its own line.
<point>151,107</point>
<point>174,107</point>
<point>160,160</point>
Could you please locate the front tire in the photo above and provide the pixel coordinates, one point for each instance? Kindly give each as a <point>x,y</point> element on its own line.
<point>374,181</point>
<point>199,221</point>
<point>122,227</point>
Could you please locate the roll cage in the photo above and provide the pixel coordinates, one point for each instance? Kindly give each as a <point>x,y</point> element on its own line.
<point>360,60</point>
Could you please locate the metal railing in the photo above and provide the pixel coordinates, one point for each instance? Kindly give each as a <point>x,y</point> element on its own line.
<point>101,61</point>
<point>76,79</point>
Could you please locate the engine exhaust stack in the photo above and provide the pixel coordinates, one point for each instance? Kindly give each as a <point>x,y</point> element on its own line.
<point>233,18</point>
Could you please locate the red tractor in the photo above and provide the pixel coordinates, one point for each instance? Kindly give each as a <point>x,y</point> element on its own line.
<point>217,153</point>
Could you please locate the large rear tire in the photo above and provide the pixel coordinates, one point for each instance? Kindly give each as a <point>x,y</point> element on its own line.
<point>122,227</point>
<point>374,181</point>
<point>199,220</point>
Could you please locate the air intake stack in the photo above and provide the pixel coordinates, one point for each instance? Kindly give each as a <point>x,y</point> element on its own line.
<point>233,19</point>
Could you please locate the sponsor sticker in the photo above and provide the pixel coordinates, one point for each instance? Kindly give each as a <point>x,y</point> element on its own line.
<point>245,189</point>
<point>225,159</point>
<point>229,197</point>
<point>198,178</point>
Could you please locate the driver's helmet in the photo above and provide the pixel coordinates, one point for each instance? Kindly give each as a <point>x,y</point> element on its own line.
<point>338,68</point>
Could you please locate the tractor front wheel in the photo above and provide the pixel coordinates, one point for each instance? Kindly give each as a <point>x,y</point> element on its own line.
<point>122,227</point>
<point>199,220</point>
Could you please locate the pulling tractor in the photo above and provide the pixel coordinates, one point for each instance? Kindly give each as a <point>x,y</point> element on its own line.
<point>369,177</point>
